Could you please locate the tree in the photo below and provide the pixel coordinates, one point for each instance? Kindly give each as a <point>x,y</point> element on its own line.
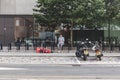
<point>112,13</point>
<point>90,14</point>
<point>55,12</point>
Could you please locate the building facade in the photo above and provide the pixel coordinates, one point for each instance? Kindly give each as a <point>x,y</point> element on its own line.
<point>16,20</point>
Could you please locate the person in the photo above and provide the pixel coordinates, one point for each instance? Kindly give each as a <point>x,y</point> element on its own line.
<point>61,41</point>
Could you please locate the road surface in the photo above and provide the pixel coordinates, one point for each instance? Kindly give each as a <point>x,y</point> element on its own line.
<point>55,72</point>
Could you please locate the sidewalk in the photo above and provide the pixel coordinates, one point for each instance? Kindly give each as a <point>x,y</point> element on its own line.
<point>64,58</point>
<point>65,53</point>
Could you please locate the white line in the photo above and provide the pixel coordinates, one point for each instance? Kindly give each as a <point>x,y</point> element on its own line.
<point>30,79</point>
<point>51,79</point>
<point>77,60</point>
<point>7,68</point>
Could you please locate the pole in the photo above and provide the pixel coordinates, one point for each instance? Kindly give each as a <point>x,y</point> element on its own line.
<point>52,42</point>
<point>4,29</point>
<point>109,31</point>
<point>33,34</point>
<point>71,34</point>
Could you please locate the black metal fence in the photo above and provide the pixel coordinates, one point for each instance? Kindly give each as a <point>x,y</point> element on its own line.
<point>53,47</point>
<point>78,36</point>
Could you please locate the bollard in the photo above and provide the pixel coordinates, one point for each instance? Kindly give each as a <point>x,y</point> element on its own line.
<point>1,47</point>
<point>9,47</point>
<point>52,46</point>
<point>119,47</point>
<point>68,48</point>
<point>35,46</point>
<point>18,46</point>
<point>44,45</point>
<point>62,47</point>
<point>26,46</point>
<point>103,47</point>
<point>111,47</point>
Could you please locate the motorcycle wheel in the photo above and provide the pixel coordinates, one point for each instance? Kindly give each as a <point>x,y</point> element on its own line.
<point>99,57</point>
<point>84,57</point>
<point>78,54</point>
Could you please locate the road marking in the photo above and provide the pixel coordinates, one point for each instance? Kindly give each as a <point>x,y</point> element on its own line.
<point>7,68</point>
<point>67,79</point>
<point>60,78</point>
<point>77,60</point>
<point>30,79</point>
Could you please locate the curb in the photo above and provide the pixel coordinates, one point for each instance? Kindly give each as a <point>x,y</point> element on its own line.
<point>61,77</point>
<point>34,54</point>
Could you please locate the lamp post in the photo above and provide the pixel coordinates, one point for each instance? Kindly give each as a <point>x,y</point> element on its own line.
<point>4,29</point>
<point>71,31</point>
<point>108,4</point>
<point>109,31</point>
<point>33,34</point>
<point>52,41</point>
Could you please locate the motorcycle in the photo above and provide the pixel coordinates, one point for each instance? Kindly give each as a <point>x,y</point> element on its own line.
<point>82,51</point>
<point>85,54</point>
<point>98,52</point>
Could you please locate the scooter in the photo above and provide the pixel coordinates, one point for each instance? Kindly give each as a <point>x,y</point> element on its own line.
<point>85,54</point>
<point>98,52</point>
<point>82,51</point>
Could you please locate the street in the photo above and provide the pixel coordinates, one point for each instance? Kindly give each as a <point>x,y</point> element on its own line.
<point>14,66</point>
<point>46,72</point>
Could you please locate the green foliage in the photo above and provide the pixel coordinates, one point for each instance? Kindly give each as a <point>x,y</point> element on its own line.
<point>55,11</point>
<point>89,13</point>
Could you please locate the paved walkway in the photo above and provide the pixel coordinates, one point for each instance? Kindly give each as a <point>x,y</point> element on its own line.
<point>31,57</point>
<point>66,57</point>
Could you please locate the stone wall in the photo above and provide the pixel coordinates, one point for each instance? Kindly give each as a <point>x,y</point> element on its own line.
<point>18,7</point>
